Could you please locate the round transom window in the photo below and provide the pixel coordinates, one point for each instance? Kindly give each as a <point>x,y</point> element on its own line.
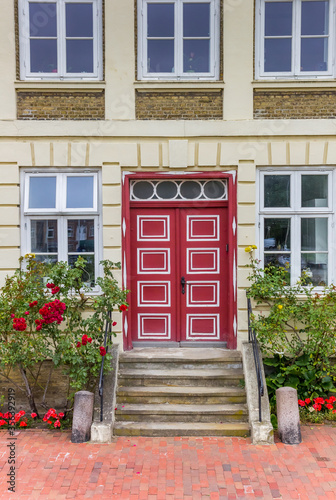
<point>182,190</point>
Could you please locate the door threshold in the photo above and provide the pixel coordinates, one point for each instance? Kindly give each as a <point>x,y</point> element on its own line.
<point>222,345</point>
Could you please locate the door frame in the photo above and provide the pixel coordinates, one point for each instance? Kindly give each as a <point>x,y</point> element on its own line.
<point>232,228</point>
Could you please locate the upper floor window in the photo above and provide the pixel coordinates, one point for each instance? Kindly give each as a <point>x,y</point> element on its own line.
<point>178,39</point>
<point>60,39</point>
<point>295,38</point>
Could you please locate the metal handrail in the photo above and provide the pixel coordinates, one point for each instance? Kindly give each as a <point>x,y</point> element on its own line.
<point>256,353</point>
<point>108,334</point>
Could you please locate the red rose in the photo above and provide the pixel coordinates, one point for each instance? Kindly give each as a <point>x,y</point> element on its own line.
<point>114,323</point>
<point>56,289</point>
<point>89,340</point>
<point>27,312</point>
<point>50,285</point>
<point>301,403</point>
<point>3,422</point>
<point>307,401</point>
<point>23,424</point>
<point>57,424</point>
<point>12,315</point>
<point>33,415</point>
<point>123,307</point>
<point>330,407</point>
<point>78,344</point>
<point>102,351</point>
<point>61,415</point>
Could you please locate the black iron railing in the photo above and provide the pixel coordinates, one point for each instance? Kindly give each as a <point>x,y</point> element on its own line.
<point>256,354</point>
<point>107,336</point>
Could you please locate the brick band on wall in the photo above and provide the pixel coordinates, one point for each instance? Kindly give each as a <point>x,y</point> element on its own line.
<point>72,105</point>
<point>172,105</point>
<point>289,104</point>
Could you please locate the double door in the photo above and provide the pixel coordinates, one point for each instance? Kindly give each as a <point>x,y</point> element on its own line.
<point>179,274</point>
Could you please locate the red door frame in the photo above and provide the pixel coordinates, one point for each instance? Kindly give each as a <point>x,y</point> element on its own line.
<point>232,226</point>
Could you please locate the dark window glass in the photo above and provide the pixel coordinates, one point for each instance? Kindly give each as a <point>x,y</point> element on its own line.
<point>278,18</point>
<point>196,56</point>
<point>190,190</point>
<point>196,19</point>
<point>143,190</point>
<point>42,192</point>
<point>43,236</point>
<point>42,19</point>
<point>314,18</point>
<point>43,56</point>
<point>277,191</point>
<point>166,190</point>
<point>78,19</point>
<point>278,54</point>
<point>79,56</point>
<point>160,20</point>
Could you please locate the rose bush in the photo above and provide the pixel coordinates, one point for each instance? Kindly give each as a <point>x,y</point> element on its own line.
<point>48,313</point>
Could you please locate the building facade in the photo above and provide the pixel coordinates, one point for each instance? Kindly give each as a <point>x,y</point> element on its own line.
<point>169,135</point>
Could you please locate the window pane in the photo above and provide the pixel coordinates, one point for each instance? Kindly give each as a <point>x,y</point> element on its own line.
<point>166,190</point>
<point>79,54</point>
<point>277,234</point>
<point>214,189</point>
<point>277,191</point>
<point>160,19</point>
<point>196,19</point>
<point>43,236</point>
<point>196,56</point>
<point>42,19</point>
<point>160,56</point>
<point>46,258</point>
<point>143,190</point>
<point>79,192</point>
<point>315,18</point>
<point>89,270</point>
<point>314,190</point>
<point>190,190</point>
<point>314,54</point>
<point>278,54</point>
<point>314,234</point>
<point>80,235</point>
<point>314,268</point>
<point>43,56</point>
<point>42,192</point>
<point>278,260</point>
<point>278,18</point>
<point>78,19</point>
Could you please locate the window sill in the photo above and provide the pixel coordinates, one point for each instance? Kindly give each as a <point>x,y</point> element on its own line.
<point>308,84</point>
<point>190,85</point>
<point>59,85</point>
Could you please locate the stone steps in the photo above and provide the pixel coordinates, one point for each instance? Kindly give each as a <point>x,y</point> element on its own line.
<point>181,392</point>
<point>160,429</point>
<point>181,395</point>
<point>183,377</point>
<point>215,413</point>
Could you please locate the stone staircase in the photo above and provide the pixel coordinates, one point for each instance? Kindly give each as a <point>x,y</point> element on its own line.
<point>181,392</point>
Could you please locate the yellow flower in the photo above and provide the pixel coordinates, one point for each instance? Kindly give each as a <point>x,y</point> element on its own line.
<point>254,247</point>
<point>29,256</point>
<point>280,307</point>
<point>248,249</point>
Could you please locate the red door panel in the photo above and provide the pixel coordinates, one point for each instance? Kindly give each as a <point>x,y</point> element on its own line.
<point>204,265</point>
<point>153,268</point>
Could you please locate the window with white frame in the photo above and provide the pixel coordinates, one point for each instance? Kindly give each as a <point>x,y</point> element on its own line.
<point>60,39</point>
<point>295,38</point>
<point>178,39</point>
<point>296,220</point>
<point>61,218</point>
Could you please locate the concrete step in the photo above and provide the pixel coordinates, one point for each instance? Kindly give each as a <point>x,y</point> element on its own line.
<point>180,395</point>
<point>173,365</point>
<point>178,356</point>
<point>181,413</point>
<point>161,429</point>
<point>184,377</point>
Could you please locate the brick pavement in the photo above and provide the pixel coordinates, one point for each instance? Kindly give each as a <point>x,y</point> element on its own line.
<point>49,466</point>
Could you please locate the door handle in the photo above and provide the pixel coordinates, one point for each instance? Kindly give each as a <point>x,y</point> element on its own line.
<point>183,282</point>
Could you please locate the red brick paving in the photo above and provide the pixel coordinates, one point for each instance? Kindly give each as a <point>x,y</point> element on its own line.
<point>49,466</point>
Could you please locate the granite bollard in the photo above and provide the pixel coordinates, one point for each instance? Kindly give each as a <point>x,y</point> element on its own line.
<point>82,417</point>
<point>288,415</point>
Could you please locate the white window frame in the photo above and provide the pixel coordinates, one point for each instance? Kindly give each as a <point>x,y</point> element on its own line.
<point>295,212</point>
<point>296,73</point>
<point>61,74</point>
<point>62,214</point>
<point>178,74</point>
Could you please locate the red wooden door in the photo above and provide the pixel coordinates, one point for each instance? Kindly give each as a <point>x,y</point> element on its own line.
<point>179,269</point>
